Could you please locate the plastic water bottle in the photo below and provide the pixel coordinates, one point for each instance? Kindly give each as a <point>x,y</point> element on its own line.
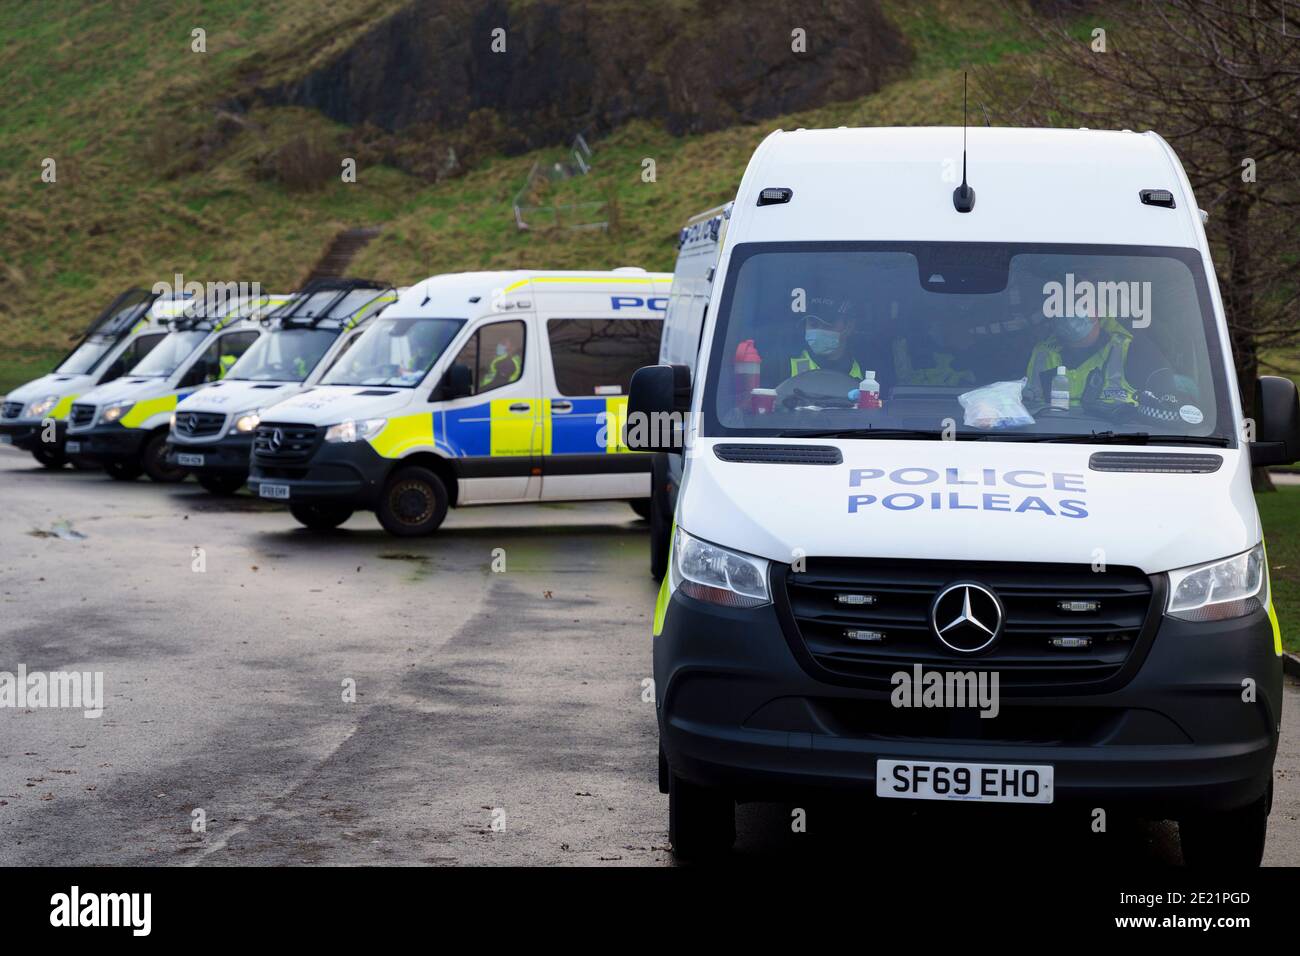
<point>869,392</point>
<point>1061,389</point>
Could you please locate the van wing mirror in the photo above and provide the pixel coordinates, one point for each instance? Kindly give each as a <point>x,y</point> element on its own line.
<point>659,399</point>
<point>457,382</point>
<point>1277,422</point>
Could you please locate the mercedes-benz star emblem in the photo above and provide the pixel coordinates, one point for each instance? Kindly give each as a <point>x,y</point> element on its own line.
<point>276,439</point>
<point>966,617</point>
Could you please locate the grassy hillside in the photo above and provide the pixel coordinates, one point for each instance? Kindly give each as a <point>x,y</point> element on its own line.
<point>153,179</point>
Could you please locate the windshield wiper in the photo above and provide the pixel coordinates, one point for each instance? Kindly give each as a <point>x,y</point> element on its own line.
<point>916,433</point>
<point>1120,438</point>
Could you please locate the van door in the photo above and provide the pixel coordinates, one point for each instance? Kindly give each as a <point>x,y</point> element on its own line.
<point>495,431</point>
<point>592,359</point>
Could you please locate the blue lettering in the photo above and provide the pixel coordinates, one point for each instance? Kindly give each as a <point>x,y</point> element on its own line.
<point>617,302</point>
<point>1034,503</point>
<point>1012,478</point>
<point>954,503</point>
<point>658,303</point>
<point>856,501</point>
<point>889,500</point>
<point>1061,481</point>
<point>857,475</point>
<point>1072,509</point>
<point>1004,500</point>
<point>927,476</point>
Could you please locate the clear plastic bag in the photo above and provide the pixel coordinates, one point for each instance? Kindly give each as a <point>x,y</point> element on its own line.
<point>996,406</point>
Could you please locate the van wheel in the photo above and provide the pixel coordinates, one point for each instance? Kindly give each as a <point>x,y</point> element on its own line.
<point>49,457</point>
<point>221,484</point>
<point>661,524</point>
<point>413,503</point>
<point>320,515</point>
<point>83,464</point>
<point>1231,838</point>
<point>122,469</point>
<point>154,461</point>
<point>642,508</point>
<point>701,821</point>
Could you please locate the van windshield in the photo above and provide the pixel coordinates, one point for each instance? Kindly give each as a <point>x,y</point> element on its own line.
<point>286,355</point>
<point>964,340</point>
<point>168,354</point>
<point>86,356</point>
<point>394,352</point>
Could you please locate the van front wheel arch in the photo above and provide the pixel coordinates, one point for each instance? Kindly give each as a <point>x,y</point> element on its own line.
<point>413,502</point>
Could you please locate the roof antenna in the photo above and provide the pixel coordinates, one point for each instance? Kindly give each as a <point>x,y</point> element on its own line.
<point>963,197</point>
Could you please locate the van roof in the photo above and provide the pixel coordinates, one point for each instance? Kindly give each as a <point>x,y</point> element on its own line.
<point>461,287</point>
<point>1031,185</point>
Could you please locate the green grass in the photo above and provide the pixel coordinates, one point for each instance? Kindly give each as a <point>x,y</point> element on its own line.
<point>19,367</point>
<point>1280,513</point>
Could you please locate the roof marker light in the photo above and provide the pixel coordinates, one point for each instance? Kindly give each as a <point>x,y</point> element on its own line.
<point>1157,197</point>
<point>775,195</point>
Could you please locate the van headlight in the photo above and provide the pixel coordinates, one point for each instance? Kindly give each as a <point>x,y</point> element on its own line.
<point>718,575</point>
<point>114,412</point>
<point>37,409</point>
<point>355,430</point>
<point>245,422</point>
<point>1219,590</point>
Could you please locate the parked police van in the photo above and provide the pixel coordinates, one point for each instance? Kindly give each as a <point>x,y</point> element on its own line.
<point>212,429</point>
<point>116,340</point>
<point>699,243</point>
<point>473,388</point>
<point>966,511</point>
<point>123,425</point>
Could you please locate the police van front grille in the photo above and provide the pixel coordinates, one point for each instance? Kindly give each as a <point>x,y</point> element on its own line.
<point>82,415</point>
<point>199,424</point>
<point>861,621</point>
<point>11,410</point>
<point>281,442</point>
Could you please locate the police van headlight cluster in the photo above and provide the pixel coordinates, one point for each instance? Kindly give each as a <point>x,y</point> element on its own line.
<point>707,572</point>
<point>37,409</point>
<point>114,412</point>
<point>246,422</point>
<point>350,431</point>
<point>1233,587</point>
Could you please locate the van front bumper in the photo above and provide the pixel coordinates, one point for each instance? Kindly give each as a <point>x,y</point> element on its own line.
<point>337,471</point>
<point>108,442</point>
<point>27,435</point>
<point>228,455</point>
<point>737,711</point>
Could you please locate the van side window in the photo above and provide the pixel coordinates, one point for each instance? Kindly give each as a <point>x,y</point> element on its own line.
<point>598,356</point>
<point>141,346</point>
<point>494,356</point>
<point>218,358</point>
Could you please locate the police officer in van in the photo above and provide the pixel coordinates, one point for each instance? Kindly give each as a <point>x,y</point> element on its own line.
<point>829,338</point>
<point>1094,350</point>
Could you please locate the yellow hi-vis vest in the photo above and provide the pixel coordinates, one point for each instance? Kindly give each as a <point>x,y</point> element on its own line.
<point>1109,356</point>
<point>941,373</point>
<point>491,376</point>
<point>804,363</point>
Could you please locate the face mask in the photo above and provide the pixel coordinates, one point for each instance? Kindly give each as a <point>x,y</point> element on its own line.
<point>501,350</point>
<point>1074,328</point>
<point>822,341</point>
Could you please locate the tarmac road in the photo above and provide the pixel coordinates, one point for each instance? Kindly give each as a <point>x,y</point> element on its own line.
<point>480,696</point>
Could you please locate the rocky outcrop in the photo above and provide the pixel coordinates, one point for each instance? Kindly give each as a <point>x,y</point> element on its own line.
<point>429,74</point>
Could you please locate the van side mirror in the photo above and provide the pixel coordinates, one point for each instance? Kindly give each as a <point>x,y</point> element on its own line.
<point>1277,422</point>
<point>659,399</point>
<point>457,382</point>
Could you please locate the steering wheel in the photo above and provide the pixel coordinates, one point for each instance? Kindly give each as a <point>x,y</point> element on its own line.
<point>820,386</point>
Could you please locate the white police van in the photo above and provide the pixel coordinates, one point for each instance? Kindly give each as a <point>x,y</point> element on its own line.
<point>472,388</point>
<point>993,450</point>
<point>212,429</point>
<point>699,243</point>
<point>118,338</point>
<point>123,425</point>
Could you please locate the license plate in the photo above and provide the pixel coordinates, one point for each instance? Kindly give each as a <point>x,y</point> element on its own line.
<point>265,490</point>
<point>72,447</point>
<point>191,461</point>
<point>976,782</point>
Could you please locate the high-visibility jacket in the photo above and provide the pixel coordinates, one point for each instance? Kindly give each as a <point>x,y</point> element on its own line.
<point>940,373</point>
<point>1109,356</point>
<point>491,377</point>
<point>224,364</point>
<point>805,363</point>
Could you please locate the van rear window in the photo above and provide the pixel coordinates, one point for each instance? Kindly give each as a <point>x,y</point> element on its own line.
<point>598,356</point>
<point>954,340</point>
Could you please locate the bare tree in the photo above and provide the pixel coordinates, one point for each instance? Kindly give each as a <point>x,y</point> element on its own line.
<point>1220,80</point>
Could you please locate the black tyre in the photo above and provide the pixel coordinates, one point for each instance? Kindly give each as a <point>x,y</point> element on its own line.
<point>642,508</point>
<point>50,456</point>
<point>83,464</point>
<point>1230,838</point>
<point>413,503</point>
<point>220,483</point>
<point>661,519</point>
<point>701,822</point>
<point>153,459</point>
<point>320,515</point>
<point>123,469</point>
